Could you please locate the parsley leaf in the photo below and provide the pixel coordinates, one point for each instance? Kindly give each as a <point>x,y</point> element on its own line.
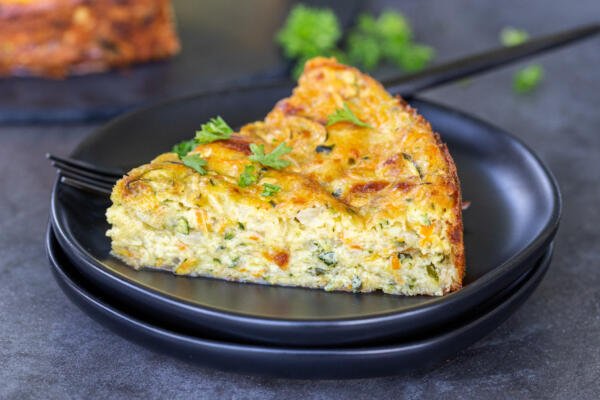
<point>346,115</point>
<point>386,38</point>
<point>412,57</point>
<point>364,50</point>
<point>270,190</point>
<point>510,36</point>
<point>528,78</point>
<point>247,177</point>
<point>272,159</point>
<point>195,162</point>
<point>309,32</point>
<point>182,148</point>
<point>215,129</point>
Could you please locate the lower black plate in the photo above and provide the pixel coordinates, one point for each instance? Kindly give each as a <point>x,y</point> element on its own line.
<point>314,363</point>
<point>512,219</point>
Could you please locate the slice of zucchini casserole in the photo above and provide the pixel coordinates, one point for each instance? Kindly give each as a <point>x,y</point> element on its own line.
<point>341,187</point>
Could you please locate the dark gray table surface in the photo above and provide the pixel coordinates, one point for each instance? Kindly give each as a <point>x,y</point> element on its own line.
<point>549,349</point>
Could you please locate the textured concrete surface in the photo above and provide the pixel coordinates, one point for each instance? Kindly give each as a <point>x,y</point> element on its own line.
<point>549,349</point>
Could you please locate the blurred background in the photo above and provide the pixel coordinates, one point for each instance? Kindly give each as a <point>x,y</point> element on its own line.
<point>225,43</point>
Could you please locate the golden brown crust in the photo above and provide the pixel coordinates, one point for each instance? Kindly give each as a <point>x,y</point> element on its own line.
<point>54,38</point>
<point>455,231</point>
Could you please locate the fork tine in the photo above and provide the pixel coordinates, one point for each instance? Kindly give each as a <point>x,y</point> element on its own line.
<point>81,172</point>
<point>76,183</point>
<point>87,181</point>
<point>82,165</point>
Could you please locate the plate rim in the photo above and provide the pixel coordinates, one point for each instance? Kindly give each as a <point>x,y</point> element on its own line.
<point>544,263</point>
<point>545,236</point>
<point>210,312</point>
<point>513,301</point>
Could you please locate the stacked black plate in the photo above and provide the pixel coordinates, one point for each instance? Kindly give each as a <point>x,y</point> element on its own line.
<point>292,332</point>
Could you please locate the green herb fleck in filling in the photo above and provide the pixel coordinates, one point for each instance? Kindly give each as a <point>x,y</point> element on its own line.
<point>432,272</point>
<point>356,283</point>
<point>327,257</point>
<point>182,226</point>
<point>270,190</point>
<point>235,262</point>
<point>229,236</point>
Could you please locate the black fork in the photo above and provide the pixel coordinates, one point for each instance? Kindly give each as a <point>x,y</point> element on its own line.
<point>86,176</point>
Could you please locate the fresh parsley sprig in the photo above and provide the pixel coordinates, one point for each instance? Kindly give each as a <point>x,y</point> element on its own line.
<point>311,31</point>
<point>195,162</point>
<point>182,148</point>
<point>247,178</point>
<point>346,115</point>
<point>271,159</point>
<point>213,130</point>
<point>387,38</point>
<point>270,190</point>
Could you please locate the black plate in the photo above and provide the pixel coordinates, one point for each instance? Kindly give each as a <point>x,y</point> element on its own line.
<point>315,363</point>
<point>221,44</point>
<point>514,216</point>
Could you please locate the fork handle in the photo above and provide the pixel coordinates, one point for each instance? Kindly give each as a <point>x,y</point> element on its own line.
<point>408,85</point>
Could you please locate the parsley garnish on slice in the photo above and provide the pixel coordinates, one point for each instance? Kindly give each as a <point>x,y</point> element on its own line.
<point>346,115</point>
<point>272,159</point>
<point>247,177</point>
<point>215,129</point>
<point>195,162</point>
<point>269,189</point>
<point>182,148</point>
